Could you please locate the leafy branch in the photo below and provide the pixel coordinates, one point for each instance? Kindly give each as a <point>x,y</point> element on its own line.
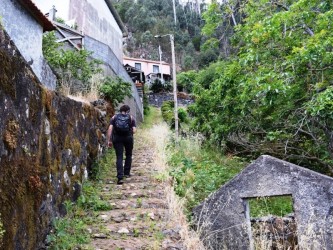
<point>70,64</point>
<point>115,90</point>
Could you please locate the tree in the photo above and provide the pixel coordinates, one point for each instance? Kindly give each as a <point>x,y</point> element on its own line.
<point>274,95</point>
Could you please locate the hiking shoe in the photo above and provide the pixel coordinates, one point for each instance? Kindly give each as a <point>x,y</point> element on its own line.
<point>120,182</point>
<point>127,175</point>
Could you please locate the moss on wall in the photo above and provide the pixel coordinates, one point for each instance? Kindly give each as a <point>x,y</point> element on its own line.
<point>37,172</point>
<point>10,134</point>
<point>34,109</point>
<point>7,74</point>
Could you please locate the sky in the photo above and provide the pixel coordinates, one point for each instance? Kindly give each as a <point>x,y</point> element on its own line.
<point>61,7</point>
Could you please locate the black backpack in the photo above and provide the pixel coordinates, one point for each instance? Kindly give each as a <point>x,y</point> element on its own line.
<point>122,124</point>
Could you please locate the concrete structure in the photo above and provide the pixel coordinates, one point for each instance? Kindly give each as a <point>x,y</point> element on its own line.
<point>99,20</point>
<point>152,69</point>
<point>103,33</point>
<point>113,67</point>
<point>223,219</point>
<point>25,24</point>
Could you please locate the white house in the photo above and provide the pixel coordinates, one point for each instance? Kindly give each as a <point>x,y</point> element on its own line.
<point>152,69</point>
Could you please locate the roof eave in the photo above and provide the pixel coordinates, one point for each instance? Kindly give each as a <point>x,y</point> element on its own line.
<point>38,15</point>
<point>117,17</point>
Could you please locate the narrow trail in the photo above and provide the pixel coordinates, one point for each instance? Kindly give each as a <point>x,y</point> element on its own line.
<point>140,217</point>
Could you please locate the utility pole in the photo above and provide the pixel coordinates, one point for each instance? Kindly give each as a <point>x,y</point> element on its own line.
<point>174,12</point>
<point>174,84</point>
<point>174,81</point>
<point>160,53</point>
<point>198,7</point>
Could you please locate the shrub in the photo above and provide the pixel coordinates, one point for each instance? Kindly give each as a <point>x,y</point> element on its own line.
<point>74,68</point>
<point>157,86</point>
<point>169,115</point>
<point>115,90</point>
<point>198,170</point>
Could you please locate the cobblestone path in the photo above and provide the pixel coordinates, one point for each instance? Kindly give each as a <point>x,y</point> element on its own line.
<point>140,217</point>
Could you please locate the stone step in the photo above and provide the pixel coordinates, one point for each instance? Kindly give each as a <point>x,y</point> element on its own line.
<point>139,203</point>
<point>146,229</point>
<point>108,188</point>
<point>137,186</point>
<point>135,229</point>
<point>125,244</point>
<point>139,193</point>
<point>133,215</point>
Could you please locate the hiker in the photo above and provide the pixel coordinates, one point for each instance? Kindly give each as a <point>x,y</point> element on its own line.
<point>120,135</point>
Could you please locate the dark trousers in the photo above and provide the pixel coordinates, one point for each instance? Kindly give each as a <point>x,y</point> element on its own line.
<point>119,143</point>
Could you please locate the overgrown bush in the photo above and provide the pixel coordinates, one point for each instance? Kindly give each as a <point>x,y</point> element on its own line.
<point>185,80</point>
<point>168,114</point>
<point>74,68</point>
<point>146,107</point>
<point>199,170</point>
<point>157,86</point>
<point>115,90</point>
<point>274,96</point>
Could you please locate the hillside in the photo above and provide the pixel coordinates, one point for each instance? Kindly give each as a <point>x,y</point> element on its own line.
<point>147,18</point>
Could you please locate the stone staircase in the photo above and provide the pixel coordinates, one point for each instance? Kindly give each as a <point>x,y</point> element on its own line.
<point>139,218</point>
<point>139,87</point>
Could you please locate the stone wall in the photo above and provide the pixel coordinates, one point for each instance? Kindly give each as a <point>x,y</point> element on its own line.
<point>157,99</point>
<point>47,146</point>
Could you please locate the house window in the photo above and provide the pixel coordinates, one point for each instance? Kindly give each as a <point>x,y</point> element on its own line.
<point>137,66</point>
<point>156,69</point>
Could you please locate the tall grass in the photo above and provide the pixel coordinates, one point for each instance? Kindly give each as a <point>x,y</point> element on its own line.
<point>159,134</point>
<point>200,169</point>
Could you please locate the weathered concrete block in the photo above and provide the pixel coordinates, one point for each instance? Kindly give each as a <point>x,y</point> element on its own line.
<point>223,218</point>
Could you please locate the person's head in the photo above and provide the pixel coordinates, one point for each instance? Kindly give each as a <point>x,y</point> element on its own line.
<point>124,108</point>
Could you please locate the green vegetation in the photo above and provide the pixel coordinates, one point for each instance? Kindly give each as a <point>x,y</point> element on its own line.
<point>71,231</point>
<point>147,18</point>
<point>153,117</point>
<point>60,20</point>
<point>169,115</point>
<point>199,170</point>
<point>146,107</point>
<point>267,83</point>
<point>71,66</point>
<point>157,86</point>
<point>273,94</point>
<point>115,90</point>
<point>185,80</point>
<point>277,205</point>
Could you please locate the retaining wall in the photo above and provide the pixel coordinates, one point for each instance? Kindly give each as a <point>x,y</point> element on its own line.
<point>47,146</point>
